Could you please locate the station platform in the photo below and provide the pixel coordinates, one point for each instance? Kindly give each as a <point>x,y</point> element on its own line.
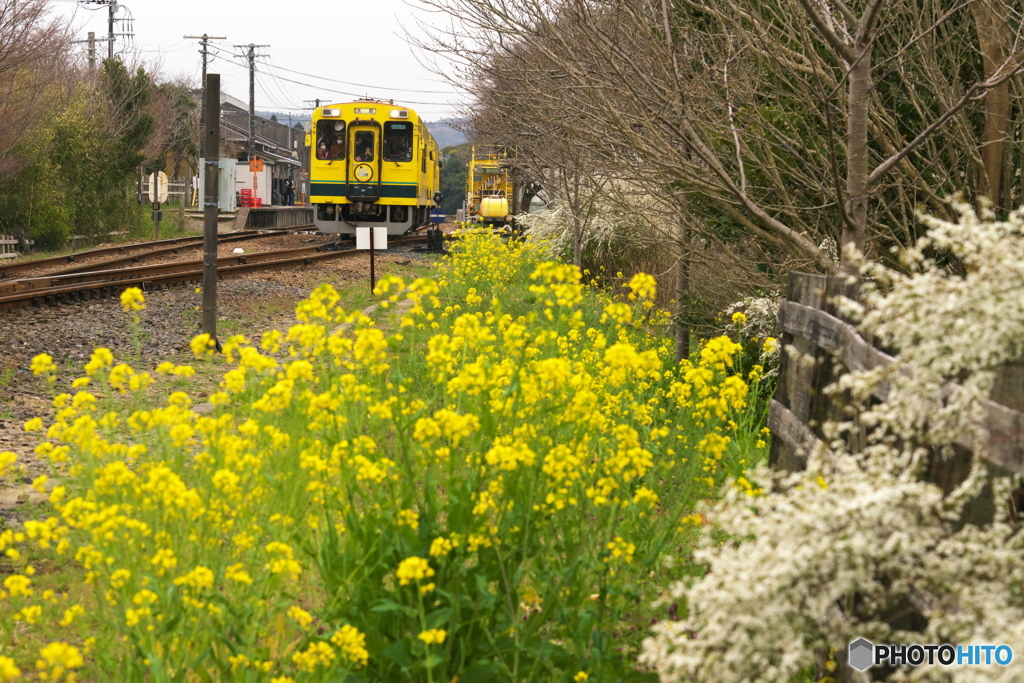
<point>260,217</point>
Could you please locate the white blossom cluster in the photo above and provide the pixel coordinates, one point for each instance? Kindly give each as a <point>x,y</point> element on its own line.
<point>958,314</point>
<point>829,555</point>
<point>762,315</point>
<point>859,544</point>
<point>634,222</point>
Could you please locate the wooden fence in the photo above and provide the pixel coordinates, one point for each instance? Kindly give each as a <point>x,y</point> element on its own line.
<point>9,246</point>
<point>176,188</point>
<point>810,322</point>
<point>830,346</point>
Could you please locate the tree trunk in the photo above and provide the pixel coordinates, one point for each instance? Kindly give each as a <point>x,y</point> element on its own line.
<point>994,40</point>
<point>857,150</point>
<point>577,240</point>
<point>682,288</point>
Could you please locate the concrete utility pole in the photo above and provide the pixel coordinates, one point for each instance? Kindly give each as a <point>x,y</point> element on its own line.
<point>111,9</point>
<point>205,52</point>
<point>92,50</point>
<point>210,205</point>
<point>251,56</point>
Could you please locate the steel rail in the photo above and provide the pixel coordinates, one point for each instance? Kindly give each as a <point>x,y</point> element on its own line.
<point>101,283</point>
<point>8,269</point>
<point>127,260</point>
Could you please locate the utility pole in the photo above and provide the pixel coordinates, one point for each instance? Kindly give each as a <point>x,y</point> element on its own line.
<point>251,56</point>
<point>92,50</point>
<point>111,9</point>
<point>210,206</point>
<point>205,52</point>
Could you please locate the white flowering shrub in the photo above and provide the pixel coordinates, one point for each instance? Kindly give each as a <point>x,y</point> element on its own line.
<point>859,544</point>
<point>612,230</point>
<point>762,315</point>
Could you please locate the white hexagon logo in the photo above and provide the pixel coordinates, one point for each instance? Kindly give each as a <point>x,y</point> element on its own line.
<point>862,654</point>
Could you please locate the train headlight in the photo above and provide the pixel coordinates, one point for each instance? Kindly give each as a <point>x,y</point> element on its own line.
<point>331,112</point>
<point>399,114</point>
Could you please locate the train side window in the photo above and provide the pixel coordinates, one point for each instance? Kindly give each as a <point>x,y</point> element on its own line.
<point>364,145</point>
<point>330,140</point>
<point>398,142</point>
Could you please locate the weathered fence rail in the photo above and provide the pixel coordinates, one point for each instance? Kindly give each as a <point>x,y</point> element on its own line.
<point>9,246</point>
<point>810,322</point>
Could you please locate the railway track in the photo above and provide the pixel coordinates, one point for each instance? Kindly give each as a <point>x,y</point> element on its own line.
<point>57,288</point>
<point>132,253</point>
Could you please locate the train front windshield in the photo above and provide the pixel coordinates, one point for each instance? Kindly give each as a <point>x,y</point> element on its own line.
<point>398,142</point>
<point>330,140</point>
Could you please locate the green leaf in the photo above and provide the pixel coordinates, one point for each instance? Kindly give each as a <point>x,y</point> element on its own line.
<point>386,605</point>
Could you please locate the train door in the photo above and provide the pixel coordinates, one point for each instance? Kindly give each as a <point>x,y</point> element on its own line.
<point>364,161</point>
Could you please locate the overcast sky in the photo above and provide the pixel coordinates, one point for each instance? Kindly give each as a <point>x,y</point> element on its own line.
<point>361,44</point>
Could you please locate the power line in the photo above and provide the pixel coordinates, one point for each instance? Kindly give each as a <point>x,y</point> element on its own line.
<point>344,92</point>
<point>354,95</point>
<point>437,107</point>
<point>127,23</point>
<point>363,85</point>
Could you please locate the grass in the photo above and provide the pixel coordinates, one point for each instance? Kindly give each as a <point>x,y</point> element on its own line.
<point>170,227</point>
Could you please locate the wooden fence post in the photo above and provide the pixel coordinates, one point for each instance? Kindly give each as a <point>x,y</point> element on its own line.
<point>796,380</point>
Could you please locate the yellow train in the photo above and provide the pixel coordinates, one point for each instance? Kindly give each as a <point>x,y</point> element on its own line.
<point>374,163</point>
<point>489,187</point>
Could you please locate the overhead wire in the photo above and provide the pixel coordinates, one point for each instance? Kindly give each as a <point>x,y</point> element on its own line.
<point>362,85</point>
<point>276,79</point>
<point>346,92</point>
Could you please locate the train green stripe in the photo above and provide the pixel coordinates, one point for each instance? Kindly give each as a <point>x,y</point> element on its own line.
<point>343,189</point>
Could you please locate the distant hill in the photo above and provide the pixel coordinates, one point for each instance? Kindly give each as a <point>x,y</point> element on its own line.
<point>297,117</point>
<point>445,134</point>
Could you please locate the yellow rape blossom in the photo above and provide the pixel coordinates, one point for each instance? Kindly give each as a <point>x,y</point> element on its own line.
<point>413,569</point>
<point>8,670</point>
<point>433,636</point>
<point>352,644</point>
<point>58,658</point>
<point>203,346</point>
<point>132,300</point>
<point>43,365</point>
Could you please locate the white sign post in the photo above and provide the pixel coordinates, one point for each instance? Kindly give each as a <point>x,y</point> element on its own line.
<point>379,241</point>
<point>158,186</point>
<point>157,194</point>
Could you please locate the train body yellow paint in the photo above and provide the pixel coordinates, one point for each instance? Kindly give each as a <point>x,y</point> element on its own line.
<point>374,164</point>
<point>489,186</point>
